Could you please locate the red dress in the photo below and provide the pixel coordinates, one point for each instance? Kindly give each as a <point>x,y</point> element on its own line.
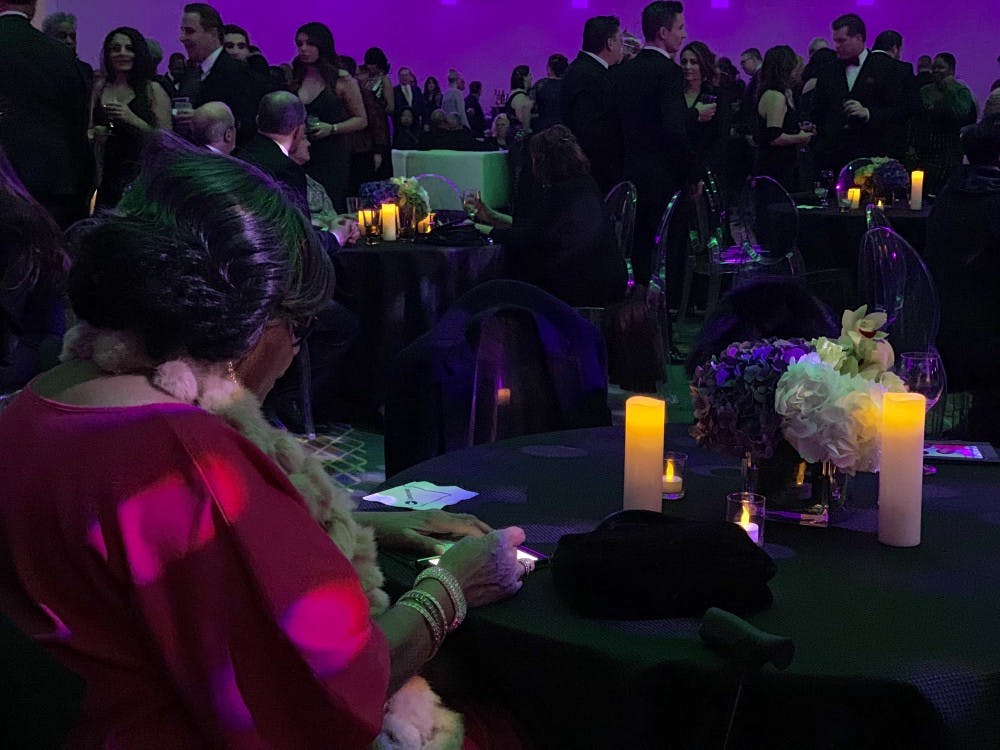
<point>161,556</point>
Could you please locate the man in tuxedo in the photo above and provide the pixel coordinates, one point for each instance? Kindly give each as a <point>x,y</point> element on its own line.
<point>589,103</point>
<point>659,159</point>
<point>281,126</point>
<point>890,42</point>
<point>173,79</point>
<point>409,93</point>
<point>862,103</point>
<point>213,75</point>
<point>43,114</point>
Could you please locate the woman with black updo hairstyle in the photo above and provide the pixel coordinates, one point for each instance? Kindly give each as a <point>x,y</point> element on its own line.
<point>192,564</point>
<point>334,106</point>
<point>128,105</point>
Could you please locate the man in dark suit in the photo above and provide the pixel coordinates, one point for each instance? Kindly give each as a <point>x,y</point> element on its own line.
<point>173,79</point>
<point>281,126</point>
<point>43,114</point>
<point>890,42</point>
<point>589,104</point>
<point>658,156</point>
<point>408,94</point>
<point>213,75</point>
<point>62,27</point>
<point>861,100</point>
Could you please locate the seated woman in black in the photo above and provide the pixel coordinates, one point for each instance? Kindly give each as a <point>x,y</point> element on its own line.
<point>566,244</point>
<point>407,133</point>
<point>778,132</point>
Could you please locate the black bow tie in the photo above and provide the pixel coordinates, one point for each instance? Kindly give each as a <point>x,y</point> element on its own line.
<point>852,61</point>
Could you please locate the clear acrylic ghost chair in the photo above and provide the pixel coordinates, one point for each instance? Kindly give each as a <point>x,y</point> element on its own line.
<point>620,205</point>
<point>443,193</point>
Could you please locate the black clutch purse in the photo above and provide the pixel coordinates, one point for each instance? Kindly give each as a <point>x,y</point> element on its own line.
<point>643,565</point>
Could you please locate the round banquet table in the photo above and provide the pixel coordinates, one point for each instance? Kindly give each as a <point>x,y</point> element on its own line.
<point>830,238</point>
<point>893,646</point>
<point>399,290</point>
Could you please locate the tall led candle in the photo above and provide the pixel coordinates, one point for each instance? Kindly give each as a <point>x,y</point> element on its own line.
<point>644,421</point>
<point>854,196</point>
<point>900,482</point>
<point>390,221</point>
<point>916,190</point>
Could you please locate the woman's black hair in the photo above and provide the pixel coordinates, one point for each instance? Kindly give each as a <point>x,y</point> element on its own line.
<point>517,77</point>
<point>375,56</point>
<point>200,254</point>
<point>142,71</point>
<point>776,70</point>
<point>327,63</point>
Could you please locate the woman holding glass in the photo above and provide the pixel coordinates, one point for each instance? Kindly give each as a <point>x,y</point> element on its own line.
<point>779,133</point>
<point>128,105</point>
<point>334,106</point>
<point>708,118</point>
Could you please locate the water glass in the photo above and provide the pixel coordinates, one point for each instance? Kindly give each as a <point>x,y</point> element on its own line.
<point>923,373</point>
<point>470,199</point>
<point>353,204</point>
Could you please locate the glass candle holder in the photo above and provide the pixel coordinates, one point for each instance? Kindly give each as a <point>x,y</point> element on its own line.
<point>370,221</point>
<point>673,475</point>
<point>746,510</point>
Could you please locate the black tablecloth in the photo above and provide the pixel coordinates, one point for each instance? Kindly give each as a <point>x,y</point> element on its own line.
<point>895,647</point>
<point>399,291</point>
<point>830,238</point>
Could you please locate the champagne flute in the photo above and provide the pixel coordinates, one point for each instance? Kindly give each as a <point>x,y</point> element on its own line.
<point>820,191</point>
<point>923,373</point>
<point>470,200</point>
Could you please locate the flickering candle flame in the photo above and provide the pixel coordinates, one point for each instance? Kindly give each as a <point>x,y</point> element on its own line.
<point>752,529</point>
<point>644,422</point>
<point>390,221</point>
<point>854,197</point>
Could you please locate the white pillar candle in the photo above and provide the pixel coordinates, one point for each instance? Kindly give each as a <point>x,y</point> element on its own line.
<point>390,221</point>
<point>916,190</point>
<point>854,196</point>
<point>900,483</point>
<point>644,420</point>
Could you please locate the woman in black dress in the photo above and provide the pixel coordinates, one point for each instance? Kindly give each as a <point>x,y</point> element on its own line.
<point>709,113</point>
<point>779,134</point>
<point>565,243</point>
<point>334,106</point>
<point>129,104</point>
<point>433,97</point>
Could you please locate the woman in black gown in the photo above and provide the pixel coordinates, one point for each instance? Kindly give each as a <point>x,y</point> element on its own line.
<point>334,106</point>
<point>778,132</point>
<point>126,106</point>
<point>709,112</point>
<point>565,242</point>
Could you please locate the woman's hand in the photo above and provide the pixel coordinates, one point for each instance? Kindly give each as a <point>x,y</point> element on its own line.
<point>320,131</point>
<point>487,568</point>
<point>120,113</point>
<point>705,111</point>
<point>421,531</point>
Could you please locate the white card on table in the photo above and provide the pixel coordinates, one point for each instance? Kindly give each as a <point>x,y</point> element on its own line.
<point>421,496</point>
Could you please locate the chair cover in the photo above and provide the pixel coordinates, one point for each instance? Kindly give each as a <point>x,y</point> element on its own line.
<point>506,359</point>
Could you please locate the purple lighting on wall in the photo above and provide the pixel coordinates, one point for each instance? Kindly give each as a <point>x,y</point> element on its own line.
<point>723,4</point>
<point>864,2</point>
<point>580,4</point>
<point>449,2</point>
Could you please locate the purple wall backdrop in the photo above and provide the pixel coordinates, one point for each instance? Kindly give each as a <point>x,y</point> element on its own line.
<point>485,38</point>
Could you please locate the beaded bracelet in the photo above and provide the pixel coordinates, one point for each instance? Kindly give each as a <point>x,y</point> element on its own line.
<point>451,585</point>
<point>437,631</point>
<point>433,603</point>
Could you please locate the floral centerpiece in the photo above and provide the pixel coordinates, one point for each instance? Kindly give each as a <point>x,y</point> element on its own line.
<point>878,177</point>
<point>802,414</point>
<point>830,400</point>
<point>733,396</point>
<point>406,192</point>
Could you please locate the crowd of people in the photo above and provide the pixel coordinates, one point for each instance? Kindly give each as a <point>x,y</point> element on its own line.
<point>207,580</point>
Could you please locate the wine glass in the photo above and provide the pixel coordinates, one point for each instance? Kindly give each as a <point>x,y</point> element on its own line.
<point>923,373</point>
<point>820,191</point>
<point>470,200</point>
